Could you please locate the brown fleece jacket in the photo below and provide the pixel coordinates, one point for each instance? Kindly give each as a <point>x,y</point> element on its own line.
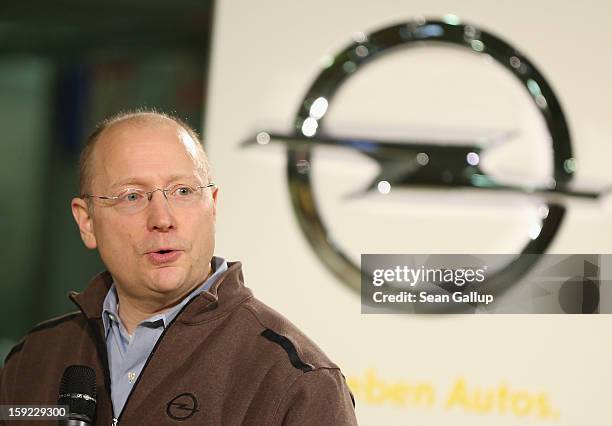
<point>226,359</point>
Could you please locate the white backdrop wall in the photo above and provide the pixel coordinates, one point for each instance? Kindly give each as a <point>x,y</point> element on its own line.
<point>406,370</point>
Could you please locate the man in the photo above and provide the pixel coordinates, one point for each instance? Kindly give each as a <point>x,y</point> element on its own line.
<point>171,331</point>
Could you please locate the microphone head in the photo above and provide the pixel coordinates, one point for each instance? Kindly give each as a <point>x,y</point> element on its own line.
<point>78,391</point>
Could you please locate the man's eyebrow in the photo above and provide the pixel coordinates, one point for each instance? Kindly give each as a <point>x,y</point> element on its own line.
<point>127,181</point>
<point>141,181</point>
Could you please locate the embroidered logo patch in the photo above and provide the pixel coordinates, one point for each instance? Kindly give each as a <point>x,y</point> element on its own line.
<point>182,407</point>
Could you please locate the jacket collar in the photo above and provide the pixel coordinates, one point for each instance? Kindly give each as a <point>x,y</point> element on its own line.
<point>224,296</point>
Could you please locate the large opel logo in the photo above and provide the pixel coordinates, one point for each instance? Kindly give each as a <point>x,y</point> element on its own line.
<point>437,165</point>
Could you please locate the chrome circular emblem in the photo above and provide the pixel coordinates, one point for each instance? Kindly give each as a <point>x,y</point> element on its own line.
<point>437,165</point>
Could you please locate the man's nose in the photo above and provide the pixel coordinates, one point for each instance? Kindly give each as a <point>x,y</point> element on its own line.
<point>159,213</point>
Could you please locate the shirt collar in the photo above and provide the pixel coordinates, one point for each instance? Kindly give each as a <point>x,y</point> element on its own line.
<point>110,305</point>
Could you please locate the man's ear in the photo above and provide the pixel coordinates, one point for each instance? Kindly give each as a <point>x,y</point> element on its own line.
<point>84,221</point>
<point>215,192</point>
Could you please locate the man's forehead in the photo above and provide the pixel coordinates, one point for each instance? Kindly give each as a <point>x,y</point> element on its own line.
<point>133,148</point>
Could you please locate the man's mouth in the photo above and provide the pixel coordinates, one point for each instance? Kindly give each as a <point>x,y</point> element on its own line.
<point>164,256</point>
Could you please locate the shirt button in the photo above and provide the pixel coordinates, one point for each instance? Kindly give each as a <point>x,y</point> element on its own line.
<point>131,376</point>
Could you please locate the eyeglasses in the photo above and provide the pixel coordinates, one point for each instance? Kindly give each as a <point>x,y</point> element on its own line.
<point>134,200</point>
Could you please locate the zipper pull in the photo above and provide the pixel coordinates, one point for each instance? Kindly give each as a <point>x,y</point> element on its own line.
<point>115,421</point>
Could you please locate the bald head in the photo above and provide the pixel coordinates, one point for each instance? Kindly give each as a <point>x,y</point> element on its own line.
<point>104,132</point>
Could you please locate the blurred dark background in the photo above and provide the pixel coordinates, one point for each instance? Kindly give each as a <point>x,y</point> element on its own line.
<point>64,66</point>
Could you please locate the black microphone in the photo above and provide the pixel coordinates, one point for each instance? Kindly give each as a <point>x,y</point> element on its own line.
<point>78,391</point>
